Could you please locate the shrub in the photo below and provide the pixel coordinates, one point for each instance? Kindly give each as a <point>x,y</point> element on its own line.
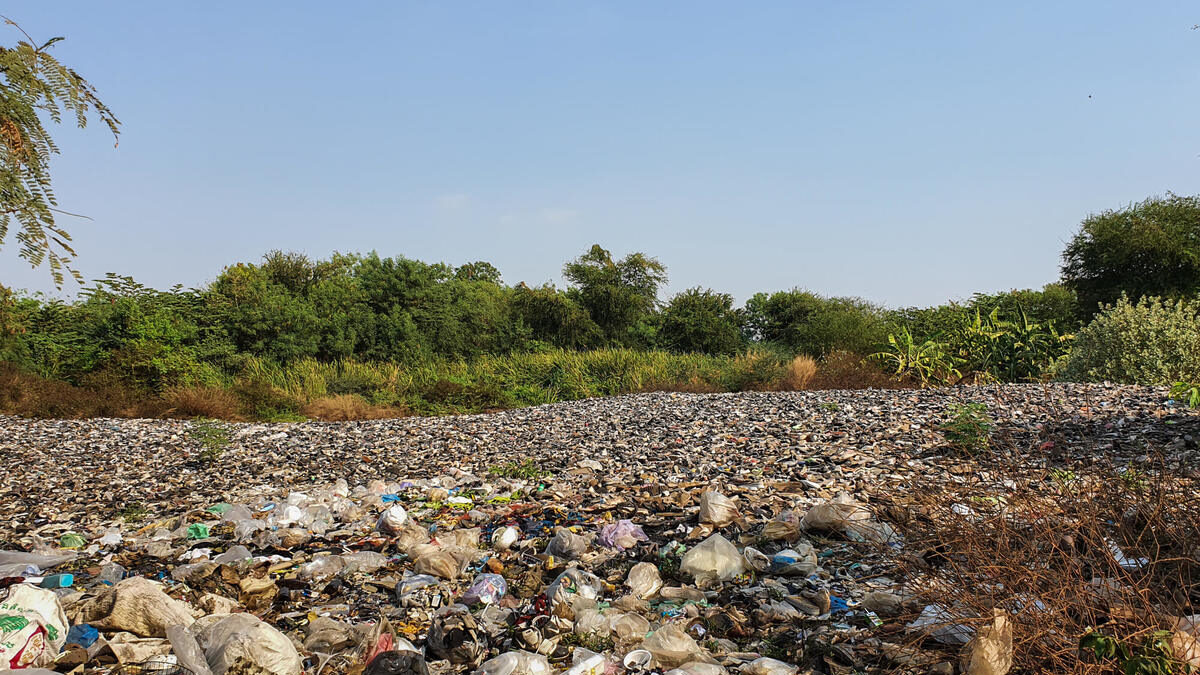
<point>263,401</point>
<point>701,321</point>
<point>969,429</point>
<point>1153,342</point>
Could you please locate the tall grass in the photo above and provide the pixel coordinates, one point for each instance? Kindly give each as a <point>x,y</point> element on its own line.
<point>266,390</point>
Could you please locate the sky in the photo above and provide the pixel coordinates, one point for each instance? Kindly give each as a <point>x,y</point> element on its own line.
<point>908,153</point>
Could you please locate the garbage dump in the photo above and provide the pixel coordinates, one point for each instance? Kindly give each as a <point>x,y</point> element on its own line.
<point>690,535</point>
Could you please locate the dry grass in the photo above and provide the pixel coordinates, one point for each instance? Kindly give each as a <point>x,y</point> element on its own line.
<point>1040,548</point>
<point>846,370</point>
<point>800,372</point>
<point>28,395</point>
<point>345,407</point>
<point>210,402</point>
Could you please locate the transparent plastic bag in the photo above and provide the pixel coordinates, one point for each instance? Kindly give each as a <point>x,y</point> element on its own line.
<point>716,509</point>
<point>671,647</point>
<point>644,580</point>
<point>714,559</point>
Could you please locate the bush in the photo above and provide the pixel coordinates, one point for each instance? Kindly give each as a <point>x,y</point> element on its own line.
<point>701,321</point>
<point>1153,342</point>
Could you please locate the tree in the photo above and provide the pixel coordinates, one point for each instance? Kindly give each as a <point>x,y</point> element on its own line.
<point>1147,249</point>
<point>620,296</point>
<point>34,84</point>
<point>807,323</point>
<point>699,320</point>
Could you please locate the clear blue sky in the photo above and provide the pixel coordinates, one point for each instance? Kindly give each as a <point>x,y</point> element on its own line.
<point>903,152</point>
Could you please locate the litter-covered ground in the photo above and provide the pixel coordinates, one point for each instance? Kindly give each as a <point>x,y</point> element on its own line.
<point>758,533</point>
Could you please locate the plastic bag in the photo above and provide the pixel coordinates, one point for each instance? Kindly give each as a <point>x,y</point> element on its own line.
<point>622,535</point>
<point>698,668</point>
<point>835,514</point>
<point>486,589</point>
<point>800,561</point>
<point>716,509</point>
<point>592,621</point>
<point>33,627</point>
<point>756,559</point>
<point>990,652</point>
<point>567,544</point>
<point>242,641</point>
<point>573,584</point>
<point>769,666</point>
<point>844,514</point>
<point>504,538</point>
<point>364,562</point>
<point>516,663</point>
<point>323,567</point>
<point>714,559</point>
<point>630,626</point>
<point>942,626</point>
<point>187,650</point>
<point>671,647</point>
<point>778,530</point>
<point>414,583</point>
<point>392,520</point>
<point>22,564</point>
<point>644,580</point>
<point>137,605</point>
<point>1185,642</point>
<point>439,563</point>
<point>397,662</point>
<point>468,539</point>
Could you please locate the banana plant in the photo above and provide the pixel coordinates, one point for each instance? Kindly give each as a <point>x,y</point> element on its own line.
<point>928,362</point>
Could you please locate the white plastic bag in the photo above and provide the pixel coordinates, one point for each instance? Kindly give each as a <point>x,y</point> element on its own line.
<point>644,580</point>
<point>716,509</point>
<point>713,559</point>
<point>769,666</point>
<point>671,647</point>
<point>240,641</point>
<point>516,663</point>
<point>33,627</point>
<point>392,520</point>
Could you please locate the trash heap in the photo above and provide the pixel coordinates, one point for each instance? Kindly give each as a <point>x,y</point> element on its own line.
<point>705,567</point>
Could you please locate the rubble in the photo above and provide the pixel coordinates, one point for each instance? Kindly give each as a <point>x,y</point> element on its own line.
<point>692,534</point>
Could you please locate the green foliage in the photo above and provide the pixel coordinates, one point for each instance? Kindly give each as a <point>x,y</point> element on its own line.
<point>619,295</point>
<point>1015,350</point>
<point>927,362</point>
<point>807,323</point>
<point>555,318</point>
<point>1153,656</point>
<point>969,429</point>
<point>34,85</point>
<point>212,438</point>
<point>1187,393</point>
<point>1147,249</point>
<point>528,470</point>
<point>701,321</point>
<point>1153,342</point>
